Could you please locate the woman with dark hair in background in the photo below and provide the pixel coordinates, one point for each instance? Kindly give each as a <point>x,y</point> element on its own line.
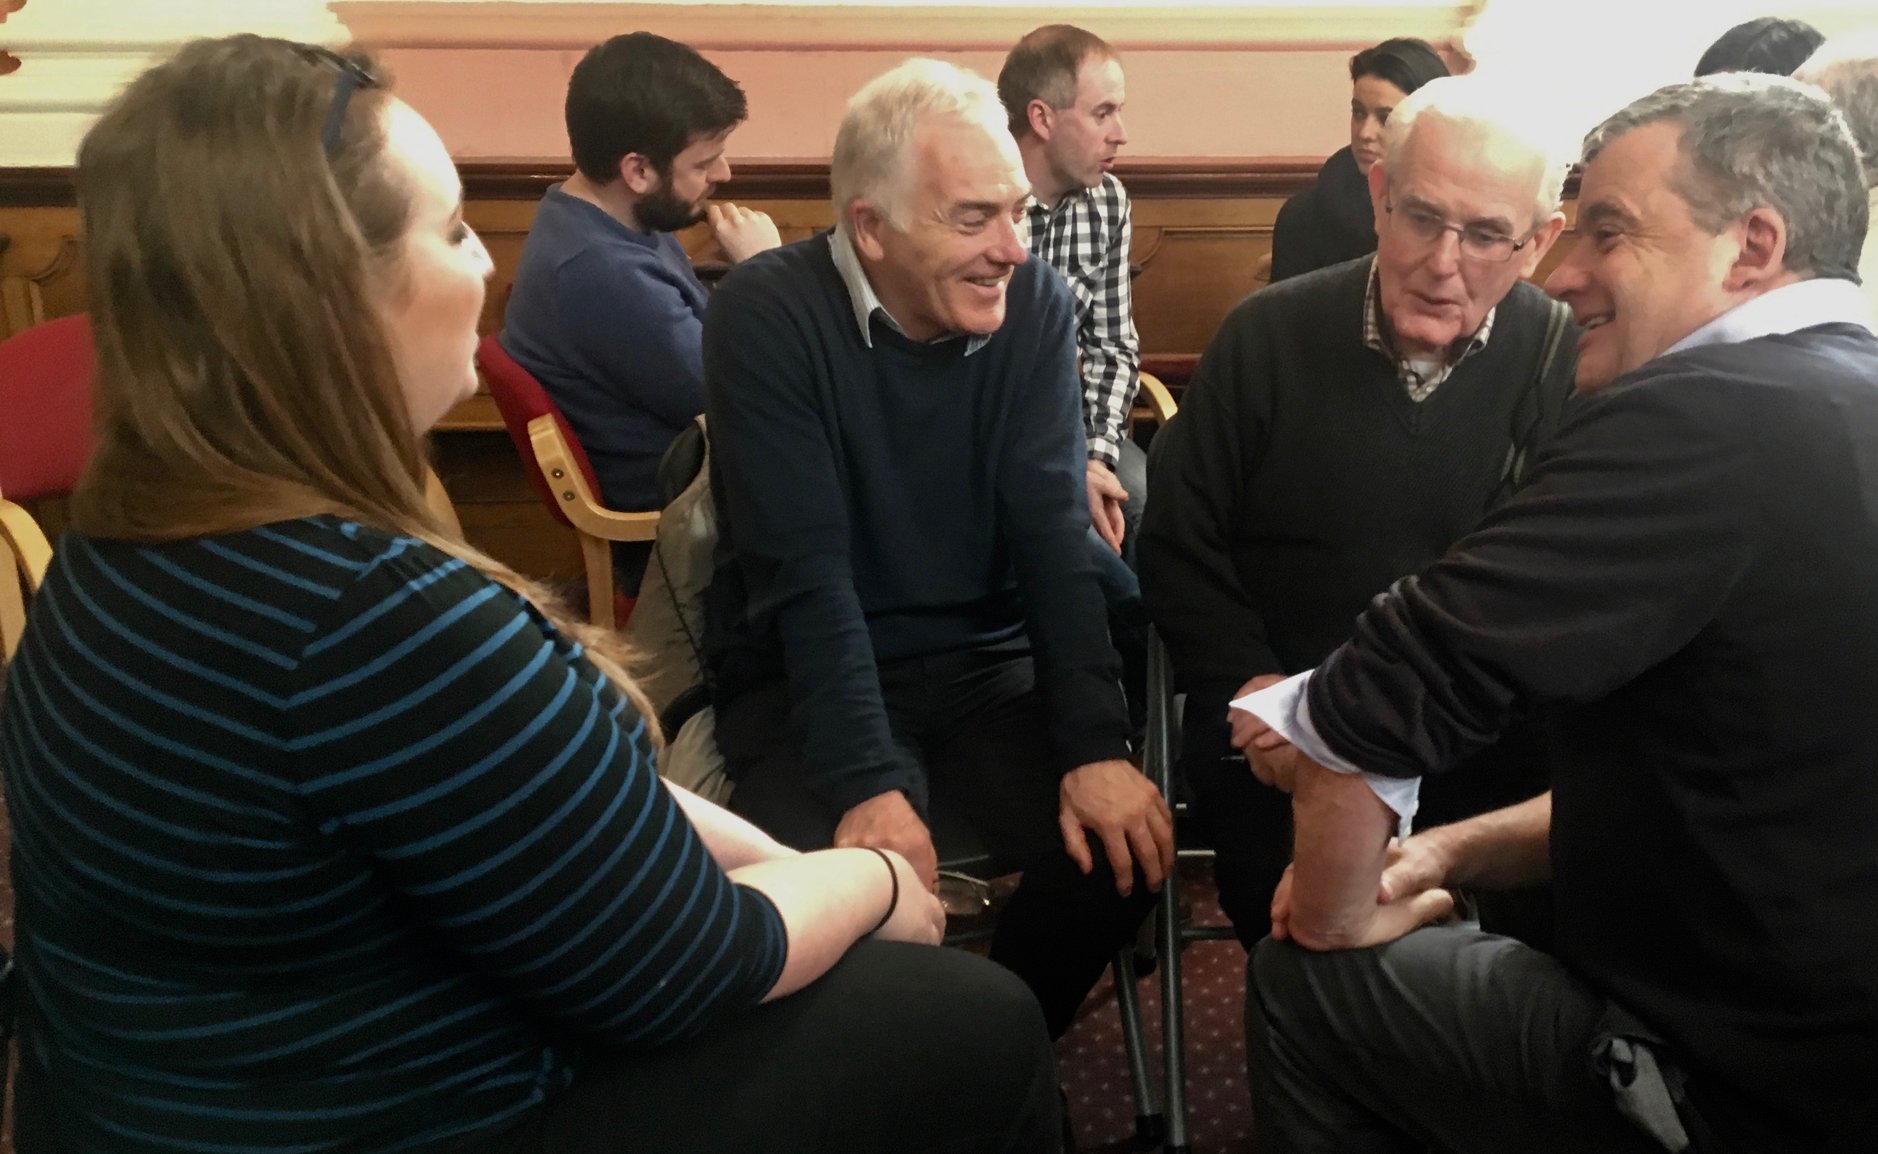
<point>1332,221</point>
<point>1772,44</point>
<point>331,833</point>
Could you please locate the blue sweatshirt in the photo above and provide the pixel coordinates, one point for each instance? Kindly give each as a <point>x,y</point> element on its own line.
<point>608,320</point>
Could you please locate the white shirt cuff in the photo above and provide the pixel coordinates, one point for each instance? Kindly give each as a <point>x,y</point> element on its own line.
<point>1286,708</point>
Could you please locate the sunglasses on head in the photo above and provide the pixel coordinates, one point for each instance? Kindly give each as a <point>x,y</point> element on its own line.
<point>352,77</point>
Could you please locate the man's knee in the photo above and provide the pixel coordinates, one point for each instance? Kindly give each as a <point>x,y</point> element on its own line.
<point>1275,976</point>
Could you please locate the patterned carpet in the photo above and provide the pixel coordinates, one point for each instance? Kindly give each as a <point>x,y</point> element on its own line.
<point>1094,1068</point>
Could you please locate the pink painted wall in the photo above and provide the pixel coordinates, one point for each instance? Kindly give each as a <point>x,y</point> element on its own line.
<point>1185,104</point>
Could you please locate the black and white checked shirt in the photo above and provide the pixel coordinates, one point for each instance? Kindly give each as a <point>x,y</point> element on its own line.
<point>1086,238</point>
<point>1420,378</point>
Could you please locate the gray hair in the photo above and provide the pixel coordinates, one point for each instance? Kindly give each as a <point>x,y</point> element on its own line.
<point>875,140</point>
<point>1750,140</point>
<point>1497,116</point>
<point>1847,68</point>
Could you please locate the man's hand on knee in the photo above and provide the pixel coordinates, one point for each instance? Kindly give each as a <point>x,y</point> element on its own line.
<point>1393,918</point>
<point>1128,816</point>
<point>888,821</point>
<point>1413,866</point>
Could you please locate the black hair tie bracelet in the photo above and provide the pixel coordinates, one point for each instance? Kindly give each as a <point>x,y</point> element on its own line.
<point>893,902</point>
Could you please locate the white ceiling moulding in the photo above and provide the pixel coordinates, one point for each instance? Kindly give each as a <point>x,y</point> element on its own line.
<point>120,26</point>
<point>73,56</point>
<point>897,27</point>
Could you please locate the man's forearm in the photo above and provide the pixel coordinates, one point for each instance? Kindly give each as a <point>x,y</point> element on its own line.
<point>1342,839</point>
<point>1504,849</point>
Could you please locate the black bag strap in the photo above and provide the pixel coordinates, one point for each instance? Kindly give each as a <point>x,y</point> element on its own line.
<point>1529,409</point>
<point>684,460</point>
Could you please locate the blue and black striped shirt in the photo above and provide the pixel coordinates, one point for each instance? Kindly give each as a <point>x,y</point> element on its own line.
<point>323,840</point>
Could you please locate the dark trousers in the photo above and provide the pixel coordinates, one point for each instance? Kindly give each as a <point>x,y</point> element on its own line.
<point>897,1048</point>
<point>1446,1040</point>
<point>974,721</point>
<point>1249,824</point>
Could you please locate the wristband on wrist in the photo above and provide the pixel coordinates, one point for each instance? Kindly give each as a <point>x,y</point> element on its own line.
<point>893,902</point>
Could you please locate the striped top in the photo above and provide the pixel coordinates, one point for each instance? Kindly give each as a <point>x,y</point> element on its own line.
<point>322,840</point>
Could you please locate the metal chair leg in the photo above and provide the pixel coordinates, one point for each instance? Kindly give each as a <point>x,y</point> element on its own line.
<point>1173,1025</point>
<point>1158,761</point>
<point>1150,1125</point>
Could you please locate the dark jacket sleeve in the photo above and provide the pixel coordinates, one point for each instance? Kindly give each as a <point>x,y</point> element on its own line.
<point>787,515</point>
<point>1044,515</point>
<point>1197,470</point>
<point>1294,238</point>
<point>1632,531</point>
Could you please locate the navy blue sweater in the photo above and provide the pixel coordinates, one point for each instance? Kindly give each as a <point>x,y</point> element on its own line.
<point>325,842</point>
<point>607,319</point>
<point>895,502</point>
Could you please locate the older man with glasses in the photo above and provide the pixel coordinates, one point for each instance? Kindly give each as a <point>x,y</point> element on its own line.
<point>1344,428</point>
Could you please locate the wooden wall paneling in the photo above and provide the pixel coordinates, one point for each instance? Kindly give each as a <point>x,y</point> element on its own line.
<point>42,266</point>
<point>1201,232</point>
<point>498,507</point>
<point>1197,258</point>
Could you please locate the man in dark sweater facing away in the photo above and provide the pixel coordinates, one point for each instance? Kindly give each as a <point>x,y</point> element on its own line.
<point>1345,427</point>
<point>1688,584</point>
<point>905,618</point>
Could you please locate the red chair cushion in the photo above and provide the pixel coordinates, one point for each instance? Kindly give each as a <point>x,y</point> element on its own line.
<point>45,392</point>
<point>520,399</point>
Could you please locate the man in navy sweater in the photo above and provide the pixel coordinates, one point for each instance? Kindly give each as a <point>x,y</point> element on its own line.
<point>1688,587</point>
<point>606,312</point>
<point>905,625</point>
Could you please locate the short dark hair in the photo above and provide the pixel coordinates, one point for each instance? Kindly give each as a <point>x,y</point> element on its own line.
<point>1770,44</point>
<point>1406,62</point>
<point>645,94</point>
<point>1044,66</point>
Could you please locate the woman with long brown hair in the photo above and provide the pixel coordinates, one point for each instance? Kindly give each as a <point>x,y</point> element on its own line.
<point>332,833</point>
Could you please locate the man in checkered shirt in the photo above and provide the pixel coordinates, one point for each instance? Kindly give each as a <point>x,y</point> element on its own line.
<point>1063,89</point>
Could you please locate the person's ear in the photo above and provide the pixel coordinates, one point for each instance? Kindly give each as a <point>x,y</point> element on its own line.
<point>1042,118</point>
<point>637,174</point>
<point>865,226</point>
<point>1762,257</point>
<point>1540,244</point>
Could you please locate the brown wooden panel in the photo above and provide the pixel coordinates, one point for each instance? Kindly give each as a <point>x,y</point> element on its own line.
<point>500,511</point>
<point>1202,233</point>
<point>528,179</point>
<point>42,266</point>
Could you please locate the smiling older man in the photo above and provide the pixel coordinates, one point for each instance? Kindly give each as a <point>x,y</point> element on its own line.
<point>1344,429</point>
<point>1688,586</point>
<point>906,618</point>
